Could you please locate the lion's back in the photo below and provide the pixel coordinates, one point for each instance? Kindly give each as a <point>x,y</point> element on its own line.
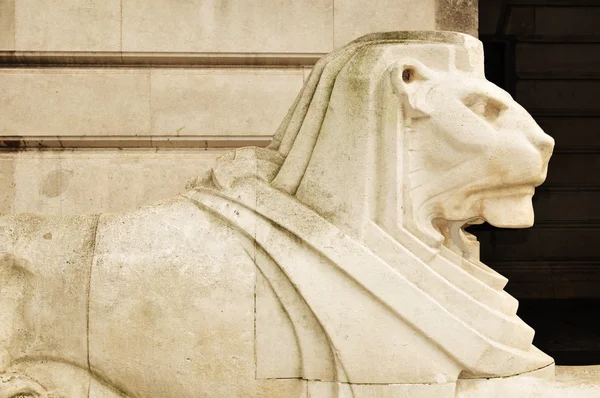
<point>172,287</point>
<point>169,287</point>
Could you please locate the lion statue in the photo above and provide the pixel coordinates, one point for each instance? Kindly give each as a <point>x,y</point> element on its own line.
<point>333,263</point>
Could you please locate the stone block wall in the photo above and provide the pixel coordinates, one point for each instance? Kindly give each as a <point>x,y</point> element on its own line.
<point>106,105</point>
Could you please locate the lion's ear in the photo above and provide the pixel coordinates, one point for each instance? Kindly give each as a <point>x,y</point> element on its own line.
<point>407,77</point>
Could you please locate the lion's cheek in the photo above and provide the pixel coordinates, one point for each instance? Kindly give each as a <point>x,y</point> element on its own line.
<point>508,211</point>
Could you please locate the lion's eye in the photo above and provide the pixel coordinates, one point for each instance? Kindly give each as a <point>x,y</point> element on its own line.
<point>488,108</point>
<point>408,75</point>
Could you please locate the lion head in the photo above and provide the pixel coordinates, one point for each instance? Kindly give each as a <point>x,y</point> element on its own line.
<point>402,130</point>
<point>474,154</point>
<point>398,141</point>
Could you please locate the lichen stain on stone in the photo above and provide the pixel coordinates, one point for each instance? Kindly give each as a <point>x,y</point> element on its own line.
<point>55,182</point>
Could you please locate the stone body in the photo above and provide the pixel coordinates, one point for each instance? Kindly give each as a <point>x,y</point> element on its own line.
<point>333,263</point>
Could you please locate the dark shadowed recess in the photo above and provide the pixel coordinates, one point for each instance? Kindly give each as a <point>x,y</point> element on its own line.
<point>546,54</point>
<point>567,330</point>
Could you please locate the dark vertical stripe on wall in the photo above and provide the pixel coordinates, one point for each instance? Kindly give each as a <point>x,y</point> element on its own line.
<point>456,15</point>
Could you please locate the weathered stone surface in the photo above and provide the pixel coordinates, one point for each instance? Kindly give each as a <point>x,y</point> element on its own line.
<point>220,26</point>
<point>344,240</point>
<point>68,25</point>
<point>217,101</point>
<point>44,274</point>
<point>142,102</point>
<point>457,16</point>
<point>83,101</point>
<point>571,382</point>
<point>7,171</point>
<point>150,332</point>
<point>267,39</point>
<point>356,18</point>
<point>7,25</point>
<point>50,182</point>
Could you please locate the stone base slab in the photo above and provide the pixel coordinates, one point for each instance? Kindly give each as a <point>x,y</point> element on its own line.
<point>569,382</point>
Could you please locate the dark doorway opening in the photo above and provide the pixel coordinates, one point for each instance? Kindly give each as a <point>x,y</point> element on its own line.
<point>546,54</point>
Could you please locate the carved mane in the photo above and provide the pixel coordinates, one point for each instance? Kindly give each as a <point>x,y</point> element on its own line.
<point>334,149</point>
<point>340,162</point>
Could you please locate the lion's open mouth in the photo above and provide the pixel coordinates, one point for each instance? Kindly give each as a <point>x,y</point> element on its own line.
<point>505,207</point>
<point>464,240</point>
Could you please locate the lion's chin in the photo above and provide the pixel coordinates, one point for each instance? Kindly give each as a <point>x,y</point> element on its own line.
<point>509,211</point>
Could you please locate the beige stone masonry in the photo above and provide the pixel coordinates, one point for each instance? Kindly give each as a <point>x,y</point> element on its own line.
<point>113,75</point>
<point>7,25</point>
<point>75,25</point>
<point>221,101</point>
<point>74,102</point>
<point>196,26</point>
<point>114,180</point>
<point>356,18</point>
<point>133,102</point>
<point>240,26</point>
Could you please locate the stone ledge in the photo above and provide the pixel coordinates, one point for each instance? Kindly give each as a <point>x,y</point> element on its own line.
<point>170,59</point>
<point>18,143</point>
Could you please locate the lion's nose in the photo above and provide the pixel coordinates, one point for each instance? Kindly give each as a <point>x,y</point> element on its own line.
<point>543,142</point>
